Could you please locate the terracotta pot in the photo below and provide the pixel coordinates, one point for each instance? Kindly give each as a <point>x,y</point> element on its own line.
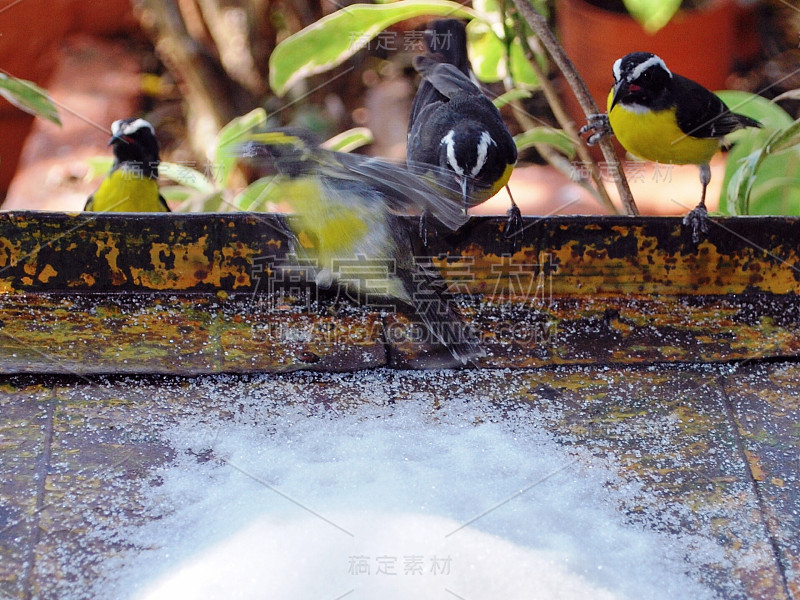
<point>32,32</point>
<point>698,44</point>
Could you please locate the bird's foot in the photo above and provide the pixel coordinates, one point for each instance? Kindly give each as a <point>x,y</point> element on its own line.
<point>599,127</point>
<point>699,222</point>
<point>514,227</point>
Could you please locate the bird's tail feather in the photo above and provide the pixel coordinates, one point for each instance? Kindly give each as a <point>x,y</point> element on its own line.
<point>745,121</point>
<point>437,311</point>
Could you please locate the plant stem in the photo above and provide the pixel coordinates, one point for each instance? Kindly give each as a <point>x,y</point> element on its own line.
<point>539,26</point>
<point>550,94</point>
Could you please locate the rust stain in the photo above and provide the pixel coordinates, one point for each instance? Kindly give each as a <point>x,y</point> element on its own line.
<point>48,272</point>
<point>107,249</point>
<point>190,266</point>
<point>755,465</point>
<point>185,265</point>
<point>83,280</point>
<point>9,252</point>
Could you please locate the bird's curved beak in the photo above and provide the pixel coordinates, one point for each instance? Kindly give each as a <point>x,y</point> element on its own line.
<point>464,193</point>
<point>119,138</point>
<point>620,91</point>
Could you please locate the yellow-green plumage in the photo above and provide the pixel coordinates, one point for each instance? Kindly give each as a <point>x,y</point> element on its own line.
<point>123,191</point>
<point>334,228</point>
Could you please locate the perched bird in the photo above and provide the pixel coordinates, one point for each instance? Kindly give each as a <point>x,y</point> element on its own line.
<point>132,184</point>
<point>661,116</point>
<point>348,210</point>
<point>454,126</point>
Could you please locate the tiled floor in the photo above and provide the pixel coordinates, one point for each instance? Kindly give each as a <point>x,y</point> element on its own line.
<point>714,449</point>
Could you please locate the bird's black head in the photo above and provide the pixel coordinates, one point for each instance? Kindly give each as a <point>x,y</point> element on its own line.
<point>642,78</point>
<point>470,152</point>
<point>135,145</point>
<point>448,38</point>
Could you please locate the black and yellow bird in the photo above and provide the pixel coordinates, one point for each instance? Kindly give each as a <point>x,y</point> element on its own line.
<point>132,184</point>
<point>454,126</point>
<point>348,224</point>
<point>661,116</point>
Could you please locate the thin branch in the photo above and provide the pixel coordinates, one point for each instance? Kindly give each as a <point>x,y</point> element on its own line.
<point>550,94</point>
<point>539,26</point>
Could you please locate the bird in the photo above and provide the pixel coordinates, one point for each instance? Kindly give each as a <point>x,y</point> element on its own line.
<point>132,183</point>
<point>664,117</point>
<point>348,225</point>
<point>453,124</point>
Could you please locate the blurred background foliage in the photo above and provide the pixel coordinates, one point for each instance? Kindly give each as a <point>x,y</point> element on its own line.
<point>333,67</point>
<point>315,63</point>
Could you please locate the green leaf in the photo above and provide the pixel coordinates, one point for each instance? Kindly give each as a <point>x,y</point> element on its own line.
<point>511,96</point>
<point>780,196</point>
<point>194,202</point>
<point>487,52</point>
<point>224,156</point>
<point>350,140</point>
<point>652,14</point>
<point>489,10</point>
<point>29,97</point>
<point>770,115</point>
<point>521,71</point>
<point>783,139</point>
<point>769,184</point>
<point>736,184</point>
<point>186,177</point>
<point>338,36</point>
<point>99,165</point>
<point>546,135</point>
<point>175,193</point>
<point>259,195</point>
<point>741,181</point>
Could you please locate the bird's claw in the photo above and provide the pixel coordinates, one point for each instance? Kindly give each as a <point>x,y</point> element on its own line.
<point>514,227</point>
<point>699,222</point>
<point>599,126</point>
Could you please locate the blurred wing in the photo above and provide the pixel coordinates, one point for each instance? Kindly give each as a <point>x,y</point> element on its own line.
<point>406,189</point>
<point>409,188</point>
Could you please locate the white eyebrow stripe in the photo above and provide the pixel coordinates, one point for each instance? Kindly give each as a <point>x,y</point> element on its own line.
<point>617,69</point>
<point>451,152</point>
<point>642,67</point>
<point>483,148</point>
<point>118,127</point>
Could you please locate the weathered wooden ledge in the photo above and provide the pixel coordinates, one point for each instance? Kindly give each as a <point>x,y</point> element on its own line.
<point>198,293</point>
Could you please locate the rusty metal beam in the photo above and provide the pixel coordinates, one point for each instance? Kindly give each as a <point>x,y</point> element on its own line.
<point>199,293</point>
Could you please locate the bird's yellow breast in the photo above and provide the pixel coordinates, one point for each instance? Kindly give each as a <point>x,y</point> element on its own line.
<point>123,191</point>
<point>655,135</point>
<point>500,183</point>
